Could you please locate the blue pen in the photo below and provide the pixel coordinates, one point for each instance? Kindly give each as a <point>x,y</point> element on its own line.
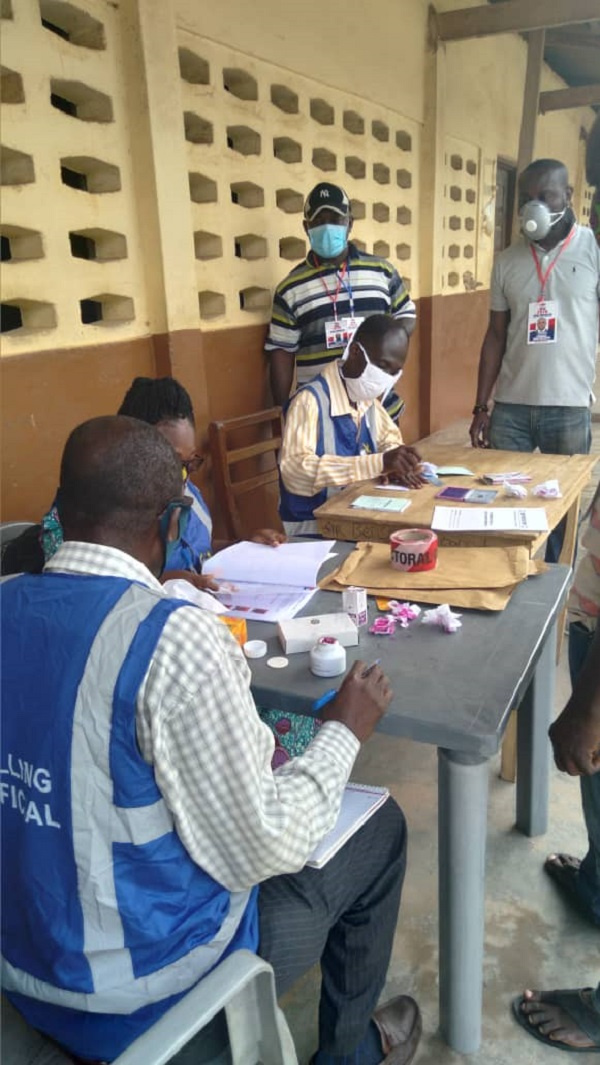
<point>331,694</point>
<point>326,698</point>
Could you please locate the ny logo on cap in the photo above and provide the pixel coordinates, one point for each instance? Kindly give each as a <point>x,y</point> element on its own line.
<point>325,193</point>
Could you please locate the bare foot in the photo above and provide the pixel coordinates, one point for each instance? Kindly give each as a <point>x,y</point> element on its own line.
<point>553,1021</point>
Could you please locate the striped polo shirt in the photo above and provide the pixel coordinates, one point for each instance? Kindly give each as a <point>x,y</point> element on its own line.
<point>304,302</point>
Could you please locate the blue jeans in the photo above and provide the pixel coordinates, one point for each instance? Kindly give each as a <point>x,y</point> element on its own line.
<point>588,881</point>
<point>554,430</point>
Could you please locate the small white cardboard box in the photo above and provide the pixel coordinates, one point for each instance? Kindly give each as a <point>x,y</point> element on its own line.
<point>300,634</point>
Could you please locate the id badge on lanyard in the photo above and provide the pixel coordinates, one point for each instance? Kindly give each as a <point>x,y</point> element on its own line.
<point>542,322</point>
<point>340,330</point>
<point>543,314</point>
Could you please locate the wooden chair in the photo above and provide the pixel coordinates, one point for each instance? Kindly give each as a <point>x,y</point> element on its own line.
<point>229,447</point>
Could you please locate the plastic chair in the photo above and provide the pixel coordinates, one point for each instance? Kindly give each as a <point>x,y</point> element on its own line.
<point>9,530</point>
<point>242,985</point>
<point>268,426</point>
<point>20,549</point>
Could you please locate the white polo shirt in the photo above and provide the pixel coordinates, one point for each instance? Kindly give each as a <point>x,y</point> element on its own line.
<point>559,374</point>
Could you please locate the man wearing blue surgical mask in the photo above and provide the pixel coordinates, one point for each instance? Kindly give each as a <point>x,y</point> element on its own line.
<point>337,430</point>
<point>320,304</point>
<point>542,379</point>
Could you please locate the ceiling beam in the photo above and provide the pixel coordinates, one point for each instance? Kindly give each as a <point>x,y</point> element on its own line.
<point>561,99</point>
<point>572,39</point>
<point>579,49</point>
<point>512,16</point>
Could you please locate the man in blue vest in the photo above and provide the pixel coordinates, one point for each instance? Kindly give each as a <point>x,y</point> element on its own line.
<point>337,430</point>
<point>140,810</point>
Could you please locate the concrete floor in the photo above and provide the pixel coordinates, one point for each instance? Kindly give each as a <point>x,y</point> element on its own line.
<point>532,939</point>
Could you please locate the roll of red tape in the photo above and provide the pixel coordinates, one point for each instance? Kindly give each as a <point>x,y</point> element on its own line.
<point>414,550</point>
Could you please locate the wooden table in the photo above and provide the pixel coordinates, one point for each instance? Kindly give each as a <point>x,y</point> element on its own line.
<point>336,520</point>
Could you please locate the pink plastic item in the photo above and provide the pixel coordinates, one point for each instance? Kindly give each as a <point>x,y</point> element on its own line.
<point>385,626</point>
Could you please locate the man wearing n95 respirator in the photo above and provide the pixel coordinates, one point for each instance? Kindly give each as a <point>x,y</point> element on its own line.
<point>542,378</point>
<point>337,430</point>
<point>322,301</point>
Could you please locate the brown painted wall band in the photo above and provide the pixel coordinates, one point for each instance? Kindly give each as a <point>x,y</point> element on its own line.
<point>45,394</point>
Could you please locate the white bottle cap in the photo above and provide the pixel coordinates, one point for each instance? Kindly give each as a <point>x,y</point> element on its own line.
<point>255,649</point>
<point>277,663</point>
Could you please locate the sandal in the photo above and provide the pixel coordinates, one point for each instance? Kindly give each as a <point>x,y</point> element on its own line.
<point>564,870</point>
<point>575,1003</point>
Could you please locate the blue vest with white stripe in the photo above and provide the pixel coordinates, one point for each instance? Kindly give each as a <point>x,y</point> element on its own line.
<point>335,436</point>
<point>195,546</point>
<point>106,920</point>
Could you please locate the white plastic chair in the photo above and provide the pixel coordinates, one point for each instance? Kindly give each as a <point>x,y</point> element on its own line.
<point>9,530</point>
<point>242,985</point>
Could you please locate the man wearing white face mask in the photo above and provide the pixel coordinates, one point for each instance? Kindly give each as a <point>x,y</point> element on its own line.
<point>542,377</point>
<point>337,430</point>
<point>322,301</point>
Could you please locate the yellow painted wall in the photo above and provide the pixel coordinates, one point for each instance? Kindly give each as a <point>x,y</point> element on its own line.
<point>213,264</point>
<point>375,52</point>
<point>51,209</point>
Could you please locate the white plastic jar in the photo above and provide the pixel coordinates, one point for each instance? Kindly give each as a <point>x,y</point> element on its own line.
<point>327,657</point>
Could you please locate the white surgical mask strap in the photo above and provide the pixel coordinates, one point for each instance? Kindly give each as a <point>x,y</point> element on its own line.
<point>556,216</point>
<point>364,351</point>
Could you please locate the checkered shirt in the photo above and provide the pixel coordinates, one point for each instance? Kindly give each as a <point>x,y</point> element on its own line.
<point>197,725</point>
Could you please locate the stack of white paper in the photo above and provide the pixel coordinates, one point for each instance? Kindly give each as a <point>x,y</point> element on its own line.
<point>262,583</point>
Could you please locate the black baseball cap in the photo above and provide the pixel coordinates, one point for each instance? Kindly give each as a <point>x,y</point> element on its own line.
<point>325,195</point>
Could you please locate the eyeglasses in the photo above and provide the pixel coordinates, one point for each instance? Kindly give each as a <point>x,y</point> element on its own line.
<point>191,465</point>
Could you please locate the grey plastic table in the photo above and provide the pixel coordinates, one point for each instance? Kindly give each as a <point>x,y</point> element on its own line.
<point>456,692</point>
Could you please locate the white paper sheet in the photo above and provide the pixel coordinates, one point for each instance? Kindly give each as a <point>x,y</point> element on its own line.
<point>264,602</point>
<point>455,471</point>
<point>288,564</point>
<point>387,503</point>
<point>359,803</point>
<point>490,519</point>
<point>180,589</point>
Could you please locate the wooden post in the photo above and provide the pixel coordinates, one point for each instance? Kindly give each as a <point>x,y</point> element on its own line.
<point>431,210</point>
<point>535,58</point>
<point>512,16</point>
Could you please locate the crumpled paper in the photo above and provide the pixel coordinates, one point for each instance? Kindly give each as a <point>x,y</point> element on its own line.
<point>515,490</point>
<point>444,617</point>
<point>403,613</point>
<point>548,490</point>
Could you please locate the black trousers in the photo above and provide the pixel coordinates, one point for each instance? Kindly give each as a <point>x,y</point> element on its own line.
<point>343,916</point>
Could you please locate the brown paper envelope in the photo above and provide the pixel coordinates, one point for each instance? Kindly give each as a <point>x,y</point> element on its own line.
<point>461,568</point>
<point>468,598</point>
<point>471,598</point>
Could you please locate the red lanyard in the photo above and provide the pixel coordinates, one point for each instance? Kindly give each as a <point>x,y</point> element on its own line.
<point>341,274</point>
<point>542,278</point>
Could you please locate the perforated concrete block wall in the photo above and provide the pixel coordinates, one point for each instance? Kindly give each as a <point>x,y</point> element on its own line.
<point>258,139</point>
<point>462,168</point>
<point>586,204</point>
<point>72,270</point>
